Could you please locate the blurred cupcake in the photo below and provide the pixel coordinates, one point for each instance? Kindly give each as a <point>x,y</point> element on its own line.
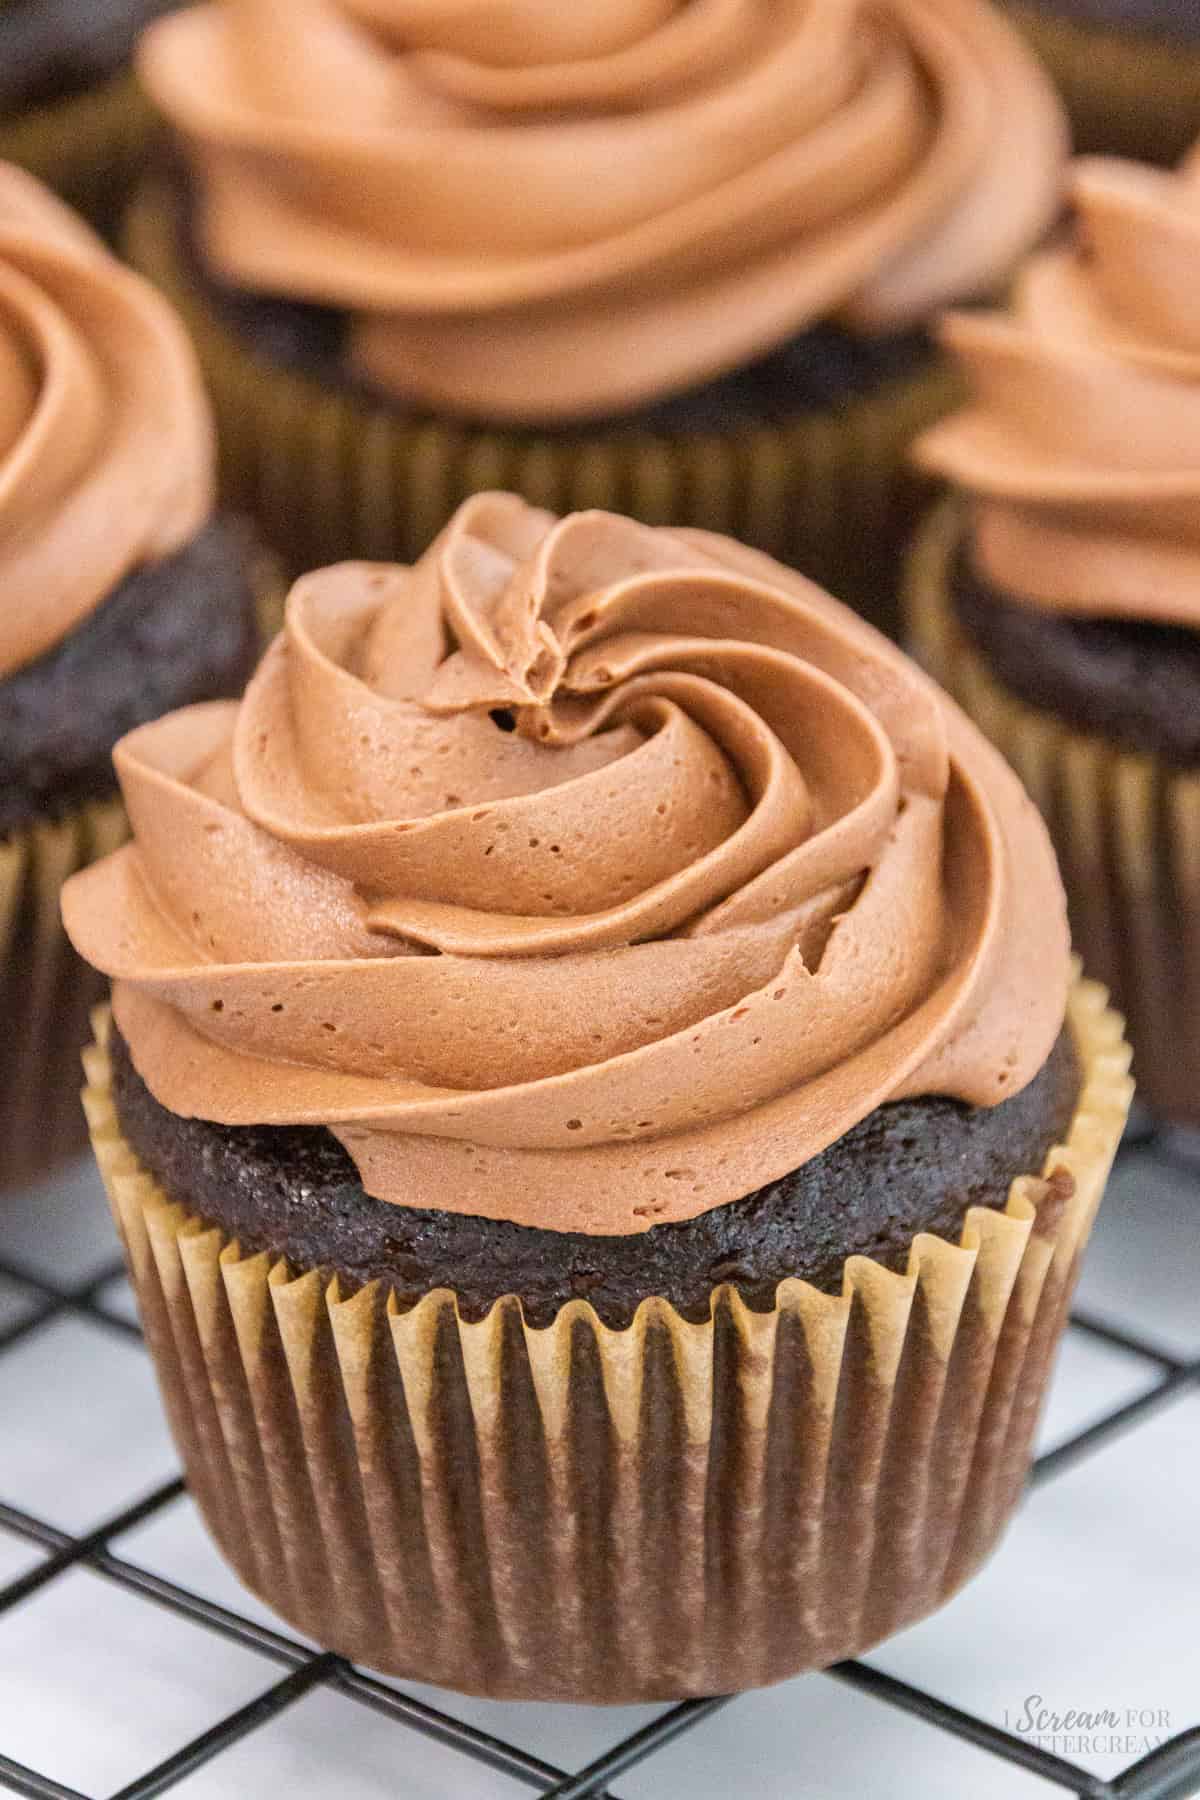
<point>70,111</point>
<point>123,597</point>
<point>595,1114</point>
<point>1061,605</point>
<point>680,266</point>
<point>1129,70</point>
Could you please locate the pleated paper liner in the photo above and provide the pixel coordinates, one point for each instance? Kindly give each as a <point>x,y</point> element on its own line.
<point>89,147</point>
<point>1127,93</point>
<point>268,583</point>
<point>328,474</point>
<point>47,993</point>
<point>1126,827</point>
<point>581,1513</point>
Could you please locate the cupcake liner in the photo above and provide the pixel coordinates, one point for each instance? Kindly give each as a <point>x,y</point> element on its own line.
<point>1126,827</point>
<point>268,585</point>
<point>89,146</point>
<point>583,1513</point>
<point>328,474</point>
<point>1127,93</point>
<point>47,993</point>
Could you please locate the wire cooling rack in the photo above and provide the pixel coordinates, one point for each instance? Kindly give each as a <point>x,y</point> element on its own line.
<point>1170,1771</point>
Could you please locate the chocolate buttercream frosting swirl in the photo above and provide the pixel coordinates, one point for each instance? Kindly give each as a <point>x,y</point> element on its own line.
<point>106,455</point>
<point>538,211</point>
<point>584,874</point>
<point>1081,446</point>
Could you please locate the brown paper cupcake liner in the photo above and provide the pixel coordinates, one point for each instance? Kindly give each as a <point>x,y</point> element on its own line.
<point>328,474</point>
<point>582,1513</point>
<point>89,147</point>
<point>1126,827</point>
<point>1127,93</point>
<point>47,993</point>
<point>268,583</point>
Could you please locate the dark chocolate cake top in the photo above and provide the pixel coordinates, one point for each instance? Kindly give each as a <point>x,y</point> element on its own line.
<point>51,49</point>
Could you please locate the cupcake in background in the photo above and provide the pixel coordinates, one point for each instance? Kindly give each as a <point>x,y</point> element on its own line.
<point>1059,601</point>
<point>599,1113</point>
<point>1129,70</point>
<point>123,597</point>
<point>70,110</point>
<point>679,265</point>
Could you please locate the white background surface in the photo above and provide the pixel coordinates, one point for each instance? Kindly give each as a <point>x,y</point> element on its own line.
<point>1093,1601</point>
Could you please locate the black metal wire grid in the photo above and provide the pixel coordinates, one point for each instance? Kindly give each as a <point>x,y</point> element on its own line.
<point>1170,1772</point>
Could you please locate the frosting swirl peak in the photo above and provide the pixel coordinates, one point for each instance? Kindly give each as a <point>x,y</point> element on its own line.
<point>106,457</point>
<point>1081,446</point>
<point>584,874</point>
<point>537,211</point>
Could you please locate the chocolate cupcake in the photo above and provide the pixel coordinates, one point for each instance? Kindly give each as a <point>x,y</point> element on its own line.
<point>70,110</point>
<point>124,596</point>
<point>1061,602</point>
<point>1129,70</point>
<point>594,1112</point>
<point>680,266</point>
